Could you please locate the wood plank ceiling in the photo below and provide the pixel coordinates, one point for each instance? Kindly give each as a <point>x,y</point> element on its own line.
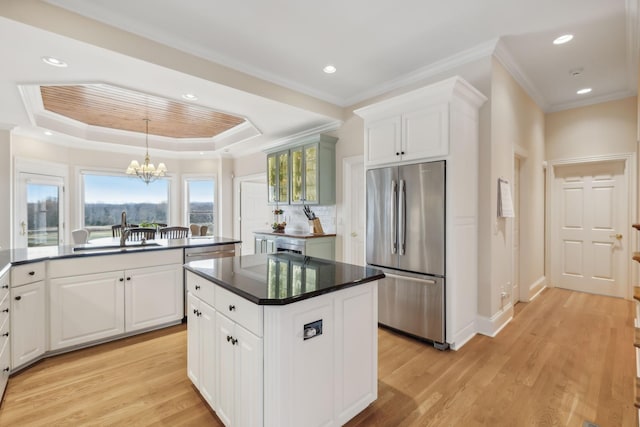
<point>123,109</point>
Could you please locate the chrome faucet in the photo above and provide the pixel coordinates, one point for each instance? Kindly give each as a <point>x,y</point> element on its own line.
<point>124,231</point>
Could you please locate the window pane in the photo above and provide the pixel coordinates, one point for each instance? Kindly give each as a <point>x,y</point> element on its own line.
<point>106,196</point>
<point>42,215</point>
<point>200,206</point>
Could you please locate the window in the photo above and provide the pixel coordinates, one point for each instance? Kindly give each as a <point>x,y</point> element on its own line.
<point>200,197</point>
<point>106,196</point>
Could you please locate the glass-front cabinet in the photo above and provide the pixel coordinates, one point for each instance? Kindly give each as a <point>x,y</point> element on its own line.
<point>307,169</point>
<point>278,177</point>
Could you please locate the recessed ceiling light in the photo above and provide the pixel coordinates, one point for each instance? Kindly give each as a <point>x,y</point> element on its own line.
<point>48,132</point>
<point>584,91</point>
<point>54,61</point>
<point>189,97</point>
<point>563,39</point>
<point>329,69</point>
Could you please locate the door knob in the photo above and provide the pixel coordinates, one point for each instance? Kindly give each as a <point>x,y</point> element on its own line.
<point>617,236</point>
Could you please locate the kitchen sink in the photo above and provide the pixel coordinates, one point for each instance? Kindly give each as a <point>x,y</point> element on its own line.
<point>107,248</point>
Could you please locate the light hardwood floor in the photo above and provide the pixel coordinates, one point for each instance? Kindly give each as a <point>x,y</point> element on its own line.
<point>565,358</point>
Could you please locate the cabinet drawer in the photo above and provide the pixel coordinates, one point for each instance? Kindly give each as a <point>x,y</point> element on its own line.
<point>4,286</point>
<point>239,310</point>
<point>27,273</point>
<point>4,312</point>
<point>201,288</point>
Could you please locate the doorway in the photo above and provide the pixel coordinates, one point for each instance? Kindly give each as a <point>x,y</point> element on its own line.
<point>590,242</point>
<point>252,211</point>
<point>354,210</point>
<point>515,280</point>
<point>39,213</point>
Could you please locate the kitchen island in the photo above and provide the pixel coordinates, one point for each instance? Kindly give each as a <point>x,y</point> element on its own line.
<point>283,339</point>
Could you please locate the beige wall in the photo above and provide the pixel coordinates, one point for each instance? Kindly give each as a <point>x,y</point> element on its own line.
<point>5,188</point>
<point>250,164</point>
<point>517,127</point>
<point>595,130</point>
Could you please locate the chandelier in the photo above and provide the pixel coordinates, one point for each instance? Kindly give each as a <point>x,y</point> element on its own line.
<point>147,172</point>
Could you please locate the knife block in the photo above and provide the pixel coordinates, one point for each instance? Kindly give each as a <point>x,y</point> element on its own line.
<point>317,227</point>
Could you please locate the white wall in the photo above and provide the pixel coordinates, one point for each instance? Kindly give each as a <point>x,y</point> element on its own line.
<point>5,188</point>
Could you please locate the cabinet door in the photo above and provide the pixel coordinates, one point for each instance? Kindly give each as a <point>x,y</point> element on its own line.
<point>193,339</point>
<point>28,340</point>
<point>297,175</point>
<point>272,178</point>
<point>225,370</point>
<point>283,177</point>
<point>311,188</point>
<point>248,378</point>
<point>153,296</point>
<point>425,133</point>
<point>270,246</point>
<point>86,308</point>
<point>383,139</point>
<point>207,320</point>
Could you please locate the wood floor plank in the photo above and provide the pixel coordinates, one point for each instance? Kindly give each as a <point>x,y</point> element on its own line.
<point>564,359</point>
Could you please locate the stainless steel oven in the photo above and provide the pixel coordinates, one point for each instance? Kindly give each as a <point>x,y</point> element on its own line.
<point>289,244</point>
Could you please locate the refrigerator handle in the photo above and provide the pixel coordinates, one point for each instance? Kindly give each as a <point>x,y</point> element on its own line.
<point>402,213</point>
<point>394,218</point>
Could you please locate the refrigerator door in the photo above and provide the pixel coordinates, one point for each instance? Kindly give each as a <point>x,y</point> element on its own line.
<point>382,230</point>
<point>421,218</point>
<point>412,303</point>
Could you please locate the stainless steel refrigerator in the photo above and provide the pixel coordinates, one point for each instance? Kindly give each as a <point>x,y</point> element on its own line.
<point>406,239</point>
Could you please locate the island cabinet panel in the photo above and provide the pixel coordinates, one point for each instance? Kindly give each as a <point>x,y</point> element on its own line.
<point>5,332</point>
<point>153,296</point>
<point>85,308</point>
<point>331,376</point>
<point>240,374</point>
<point>201,344</point>
<point>28,340</point>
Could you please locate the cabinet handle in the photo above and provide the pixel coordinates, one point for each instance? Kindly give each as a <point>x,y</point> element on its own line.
<point>195,311</point>
<point>232,308</point>
<point>234,341</point>
<point>122,279</point>
<point>6,334</point>
<point>128,278</point>
<point>18,298</point>
<point>5,286</point>
<point>32,273</point>
<point>397,153</point>
<point>6,310</point>
<point>197,287</point>
<point>7,369</point>
<point>229,338</point>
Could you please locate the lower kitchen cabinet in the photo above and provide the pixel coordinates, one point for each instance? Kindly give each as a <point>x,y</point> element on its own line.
<point>153,296</point>
<point>5,332</point>
<point>240,374</point>
<point>264,244</point>
<point>85,308</point>
<point>201,344</point>
<point>28,340</point>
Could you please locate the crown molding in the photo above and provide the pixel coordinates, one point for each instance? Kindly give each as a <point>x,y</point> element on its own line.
<point>503,55</point>
<point>475,53</point>
<point>590,101</point>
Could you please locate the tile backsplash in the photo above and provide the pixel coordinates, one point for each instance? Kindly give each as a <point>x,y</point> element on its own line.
<point>294,215</point>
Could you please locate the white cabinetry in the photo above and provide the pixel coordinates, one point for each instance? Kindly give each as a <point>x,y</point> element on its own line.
<point>439,122</point>
<point>5,332</point>
<point>410,136</point>
<point>201,340</point>
<point>28,340</point>
<point>85,308</point>
<point>96,298</point>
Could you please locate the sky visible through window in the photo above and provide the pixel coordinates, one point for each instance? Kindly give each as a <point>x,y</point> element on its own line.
<point>123,189</point>
<point>201,190</point>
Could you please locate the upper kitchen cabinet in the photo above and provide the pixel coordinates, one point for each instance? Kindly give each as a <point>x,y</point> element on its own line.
<point>310,172</point>
<point>408,128</point>
<point>278,177</point>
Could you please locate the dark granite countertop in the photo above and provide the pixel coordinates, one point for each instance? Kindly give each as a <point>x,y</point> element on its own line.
<point>281,278</point>
<point>104,246</point>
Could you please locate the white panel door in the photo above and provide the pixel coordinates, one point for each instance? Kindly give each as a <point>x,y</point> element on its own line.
<point>225,369</point>
<point>354,192</point>
<point>254,213</point>
<point>590,224</point>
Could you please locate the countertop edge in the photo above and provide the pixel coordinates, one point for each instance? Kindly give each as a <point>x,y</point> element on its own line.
<point>295,236</point>
<point>285,301</point>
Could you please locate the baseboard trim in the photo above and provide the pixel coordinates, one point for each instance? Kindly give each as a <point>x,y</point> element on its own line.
<point>536,288</point>
<point>493,325</point>
<point>463,337</point>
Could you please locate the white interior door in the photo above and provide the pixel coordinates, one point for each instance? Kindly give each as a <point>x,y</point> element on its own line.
<point>515,281</point>
<point>254,213</point>
<point>354,196</point>
<point>39,214</point>
<point>589,236</point>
